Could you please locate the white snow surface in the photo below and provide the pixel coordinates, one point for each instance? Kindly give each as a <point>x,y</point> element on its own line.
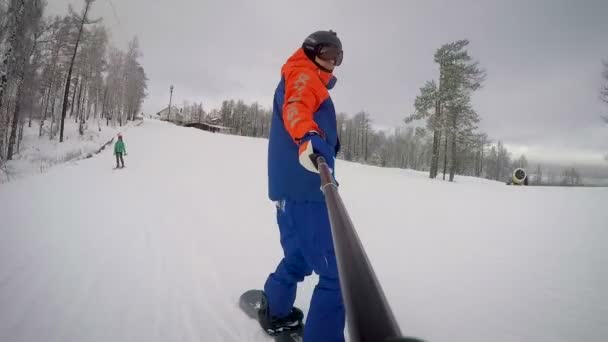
<point>161,250</point>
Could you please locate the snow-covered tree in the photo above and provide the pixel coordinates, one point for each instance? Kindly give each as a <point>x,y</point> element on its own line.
<point>445,104</point>
<point>498,162</point>
<point>17,68</point>
<point>81,20</point>
<point>135,80</point>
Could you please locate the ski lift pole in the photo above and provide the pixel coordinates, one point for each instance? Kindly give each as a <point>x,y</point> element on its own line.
<point>370,318</point>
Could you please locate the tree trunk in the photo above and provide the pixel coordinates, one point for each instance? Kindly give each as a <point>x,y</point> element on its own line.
<point>77,104</point>
<point>73,103</point>
<point>14,39</point>
<point>81,124</point>
<point>365,143</point>
<point>22,65</point>
<point>96,104</point>
<point>453,136</point>
<point>80,109</point>
<point>85,103</point>
<point>87,106</point>
<point>15,121</point>
<point>435,153</point>
<point>4,124</point>
<point>67,85</point>
<point>103,104</point>
<point>51,128</point>
<point>453,163</point>
<point>498,167</point>
<point>262,126</point>
<point>436,131</point>
<point>483,142</point>
<point>46,106</point>
<point>52,117</point>
<point>255,122</point>
<point>352,142</point>
<point>40,128</point>
<point>20,137</point>
<point>445,154</point>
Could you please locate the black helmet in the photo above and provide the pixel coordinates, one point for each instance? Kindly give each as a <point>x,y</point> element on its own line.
<point>314,43</point>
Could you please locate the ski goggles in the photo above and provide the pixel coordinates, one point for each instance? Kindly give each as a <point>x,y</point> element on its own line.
<point>331,53</point>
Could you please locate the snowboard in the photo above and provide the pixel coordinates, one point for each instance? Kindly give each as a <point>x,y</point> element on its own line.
<point>250,303</point>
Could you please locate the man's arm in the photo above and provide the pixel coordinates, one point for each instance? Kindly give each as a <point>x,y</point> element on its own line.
<point>304,93</point>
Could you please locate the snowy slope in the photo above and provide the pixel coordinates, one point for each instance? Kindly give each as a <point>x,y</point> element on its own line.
<point>161,250</point>
<point>38,154</point>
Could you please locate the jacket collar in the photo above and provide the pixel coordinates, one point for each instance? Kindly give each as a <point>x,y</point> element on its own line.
<point>300,60</point>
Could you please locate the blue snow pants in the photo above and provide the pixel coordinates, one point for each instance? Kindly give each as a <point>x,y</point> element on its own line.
<point>307,246</point>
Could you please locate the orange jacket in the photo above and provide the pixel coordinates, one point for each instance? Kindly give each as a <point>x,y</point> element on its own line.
<point>305,90</point>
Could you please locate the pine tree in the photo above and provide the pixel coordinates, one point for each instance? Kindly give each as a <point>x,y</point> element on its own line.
<point>445,105</point>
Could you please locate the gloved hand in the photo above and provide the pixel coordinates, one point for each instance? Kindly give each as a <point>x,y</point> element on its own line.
<point>311,146</point>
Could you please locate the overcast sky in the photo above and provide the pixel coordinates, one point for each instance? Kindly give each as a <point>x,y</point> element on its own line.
<point>543,58</point>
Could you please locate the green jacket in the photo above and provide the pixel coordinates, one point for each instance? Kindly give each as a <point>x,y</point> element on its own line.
<point>119,147</point>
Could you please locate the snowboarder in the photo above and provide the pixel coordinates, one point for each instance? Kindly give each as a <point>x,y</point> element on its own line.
<point>304,126</point>
<point>119,151</point>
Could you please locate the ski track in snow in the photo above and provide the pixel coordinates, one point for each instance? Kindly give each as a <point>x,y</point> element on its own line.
<point>161,250</point>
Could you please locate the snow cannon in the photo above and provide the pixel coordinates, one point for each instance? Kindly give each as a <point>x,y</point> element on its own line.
<point>520,177</point>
